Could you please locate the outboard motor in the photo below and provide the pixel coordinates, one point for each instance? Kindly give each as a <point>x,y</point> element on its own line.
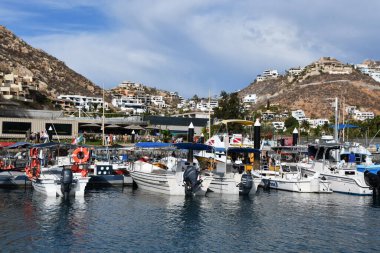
<point>246,184</point>
<point>190,178</point>
<point>66,181</point>
<point>373,180</point>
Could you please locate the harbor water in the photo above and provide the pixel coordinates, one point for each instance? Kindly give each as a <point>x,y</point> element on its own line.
<point>127,220</point>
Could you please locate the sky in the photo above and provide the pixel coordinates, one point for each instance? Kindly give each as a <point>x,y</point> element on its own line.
<point>193,47</point>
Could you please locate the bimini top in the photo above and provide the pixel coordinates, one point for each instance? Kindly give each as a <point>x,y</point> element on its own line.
<point>243,150</point>
<point>152,145</point>
<point>19,145</point>
<point>193,146</point>
<point>238,121</point>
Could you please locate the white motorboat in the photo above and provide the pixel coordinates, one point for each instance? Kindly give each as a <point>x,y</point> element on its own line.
<point>344,176</point>
<point>54,179</point>
<point>235,176</point>
<point>60,181</point>
<point>291,178</point>
<point>171,175</point>
<point>108,167</point>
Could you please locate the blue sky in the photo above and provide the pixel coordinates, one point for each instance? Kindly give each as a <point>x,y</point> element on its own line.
<point>194,46</point>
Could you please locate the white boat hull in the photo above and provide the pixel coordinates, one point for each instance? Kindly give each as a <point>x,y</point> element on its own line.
<point>169,183</point>
<point>347,185</point>
<point>341,183</point>
<point>315,185</point>
<point>50,185</point>
<point>229,184</point>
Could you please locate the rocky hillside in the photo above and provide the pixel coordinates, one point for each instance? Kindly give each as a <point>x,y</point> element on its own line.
<point>313,91</point>
<point>53,75</point>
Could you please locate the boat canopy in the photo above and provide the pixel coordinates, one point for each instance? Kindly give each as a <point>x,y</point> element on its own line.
<point>152,145</point>
<point>194,146</point>
<point>243,150</point>
<point>21,144</point>
<point>238,121</point>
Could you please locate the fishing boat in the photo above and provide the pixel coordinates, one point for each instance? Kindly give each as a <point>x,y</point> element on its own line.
<point>110,166</point>
<point>344,176</point>
<point>171,174</point>
<point>291,178</point>
<point>12,164</point>
<point>235,175</point>
<point>52,176</point>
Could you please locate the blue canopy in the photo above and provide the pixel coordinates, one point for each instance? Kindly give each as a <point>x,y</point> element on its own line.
<point>343,126</point>
<point>152,145</point>
<point>243,150</point>
<point>21,144</point>
<point>46,145</point>
<point>193,146</point>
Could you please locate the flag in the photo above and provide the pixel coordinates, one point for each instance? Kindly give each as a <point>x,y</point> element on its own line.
<point>78,140</point>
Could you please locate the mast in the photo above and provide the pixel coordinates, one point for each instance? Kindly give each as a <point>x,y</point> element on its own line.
<point>209,114</point>
<point>336,121</point>
<point>103,139</point>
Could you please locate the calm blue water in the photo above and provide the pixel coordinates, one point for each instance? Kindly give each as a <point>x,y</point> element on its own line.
<point>123,220</point>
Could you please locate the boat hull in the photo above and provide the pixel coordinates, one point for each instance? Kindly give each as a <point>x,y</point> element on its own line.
<point>315,185</point>
<point>51,186</point>
<point>229,184</point>
<point>14,179</point>
<point>170,184</point>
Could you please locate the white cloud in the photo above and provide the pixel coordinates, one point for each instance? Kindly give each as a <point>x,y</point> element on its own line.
<point>194,46</point>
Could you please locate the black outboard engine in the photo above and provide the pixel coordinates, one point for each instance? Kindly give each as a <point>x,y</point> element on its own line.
<point>373,180</point>
<point>190,178</point>
<point>246,184</point>
<point>66,181</point>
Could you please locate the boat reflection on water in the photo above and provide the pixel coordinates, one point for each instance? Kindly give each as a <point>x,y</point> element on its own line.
<point>52,222</point>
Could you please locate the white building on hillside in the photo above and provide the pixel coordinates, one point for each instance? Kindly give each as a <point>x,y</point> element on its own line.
<point>358,115</point>
<point>373,71</point>
<point>267,74</point>
<point>314,123</point>
<point>250,98</point>
<point>83,102</point>
<point>299,115</point>
<point>131,105</point>
<point>279,125</point>
<point>295,71</point>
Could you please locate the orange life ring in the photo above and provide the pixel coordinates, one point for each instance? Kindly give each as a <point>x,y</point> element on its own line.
<point>33,171</point>
<point>81,155</point>
<point>33,152</point>
<point>1,164</point>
